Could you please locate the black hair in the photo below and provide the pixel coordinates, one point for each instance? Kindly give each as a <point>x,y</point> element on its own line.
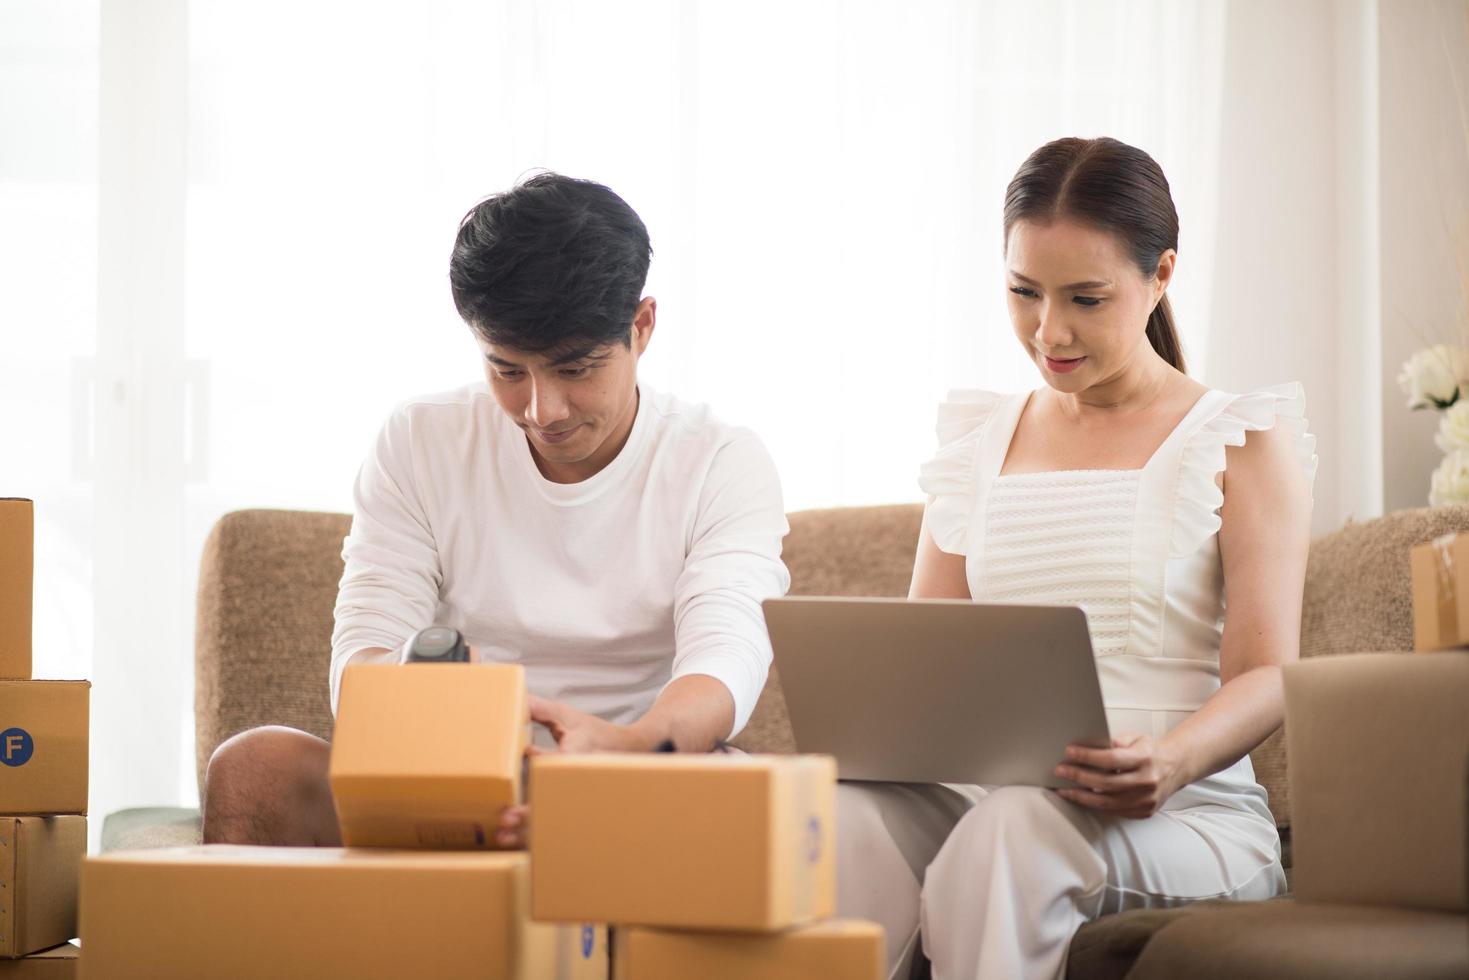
<point>553,264</point>
<point>1107,184</point>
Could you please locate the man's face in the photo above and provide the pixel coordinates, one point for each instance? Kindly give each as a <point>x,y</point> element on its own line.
<point>575,406</point>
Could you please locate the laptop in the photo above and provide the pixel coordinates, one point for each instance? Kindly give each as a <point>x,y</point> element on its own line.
<point>937,690</point>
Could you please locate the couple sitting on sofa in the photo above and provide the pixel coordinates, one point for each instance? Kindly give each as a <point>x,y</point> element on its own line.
<point>618,542</point>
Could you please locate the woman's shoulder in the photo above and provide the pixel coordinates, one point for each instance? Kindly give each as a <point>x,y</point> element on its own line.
<point>963,416</point>
<point>1224,429</point>
<point>1279,409</point>
<point>964,412</point>
<point>949,477</point>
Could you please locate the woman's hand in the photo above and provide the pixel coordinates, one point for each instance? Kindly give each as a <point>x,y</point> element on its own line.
<point>1134,778</point>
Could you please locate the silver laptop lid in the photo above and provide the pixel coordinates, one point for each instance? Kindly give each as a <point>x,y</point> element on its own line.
<point>937,690</point>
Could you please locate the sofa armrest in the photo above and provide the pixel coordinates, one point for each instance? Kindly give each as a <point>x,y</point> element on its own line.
<point>1379,777</point>
<point>263,630</point>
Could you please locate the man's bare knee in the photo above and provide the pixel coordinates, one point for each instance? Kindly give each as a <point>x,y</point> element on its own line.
<point>269,786</point>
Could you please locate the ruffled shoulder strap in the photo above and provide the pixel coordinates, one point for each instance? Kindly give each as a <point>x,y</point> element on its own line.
<point>949,478</point>
<point>1196,511</point>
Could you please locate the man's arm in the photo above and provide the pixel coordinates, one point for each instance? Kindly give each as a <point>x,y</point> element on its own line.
<point>692,713</point>
<point>733,565</point>
<point>721,647</point>
<point>390,582</point>
<point>370,655</point>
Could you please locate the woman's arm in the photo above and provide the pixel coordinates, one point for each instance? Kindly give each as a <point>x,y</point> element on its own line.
<point>936,573</point>
<point>1263,540</point>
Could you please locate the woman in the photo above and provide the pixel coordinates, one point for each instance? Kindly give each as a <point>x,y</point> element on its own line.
<point>1127,488</point>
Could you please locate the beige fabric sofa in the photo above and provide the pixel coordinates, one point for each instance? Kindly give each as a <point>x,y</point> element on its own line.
<point>268,585</point>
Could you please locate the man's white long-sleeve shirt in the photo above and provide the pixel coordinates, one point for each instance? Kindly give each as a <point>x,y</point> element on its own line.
<point>605,590</point>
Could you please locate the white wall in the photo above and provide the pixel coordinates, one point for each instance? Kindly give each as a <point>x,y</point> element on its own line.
<point>1343,231</point>
<point>1275,314</point>
<point>1425,217</point>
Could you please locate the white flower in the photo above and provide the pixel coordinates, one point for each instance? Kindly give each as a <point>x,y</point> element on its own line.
<point>1433,377</point>
<point>1453,428</point>
<point>1451,480</point>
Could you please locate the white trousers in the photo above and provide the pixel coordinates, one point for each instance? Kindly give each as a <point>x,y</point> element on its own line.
<point>1001,878</point>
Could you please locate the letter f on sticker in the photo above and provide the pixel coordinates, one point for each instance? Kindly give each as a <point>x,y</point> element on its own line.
<point>13,745</point>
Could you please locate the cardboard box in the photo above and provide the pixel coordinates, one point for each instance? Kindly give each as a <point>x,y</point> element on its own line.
<point>267,913</point>
<point>59,963</point>
<point>1377,779</point>
<point>838,949</point>
<point>427,755</point>
<point>1441,593</point>
<point>43,746</point>
<point>17,564</point>
<point>40,865</point>
<point>692,841</point>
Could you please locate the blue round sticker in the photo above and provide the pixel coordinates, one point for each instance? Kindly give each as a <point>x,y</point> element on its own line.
<point>813,840</point>
<point>16,746</point>
<point>588,940</point>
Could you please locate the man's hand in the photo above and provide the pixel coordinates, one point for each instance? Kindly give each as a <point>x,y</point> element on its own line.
<point>701,699</point>
<point>514,828</point>
<point>1134,778</point>
<point>574,731</point>
<point>577,731</point>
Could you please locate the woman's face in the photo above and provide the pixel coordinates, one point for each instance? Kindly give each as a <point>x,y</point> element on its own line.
<point>1078,302</point>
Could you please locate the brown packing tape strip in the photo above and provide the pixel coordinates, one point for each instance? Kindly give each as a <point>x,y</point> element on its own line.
<point>1448,606</point>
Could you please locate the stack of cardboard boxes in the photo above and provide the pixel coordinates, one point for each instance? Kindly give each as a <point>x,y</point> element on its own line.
<point>718,866</point>
<point>707,865</point>
<point>424,757</point>
<point>43,779</point>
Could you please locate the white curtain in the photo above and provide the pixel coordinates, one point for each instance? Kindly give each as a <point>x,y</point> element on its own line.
<point>822,182</point>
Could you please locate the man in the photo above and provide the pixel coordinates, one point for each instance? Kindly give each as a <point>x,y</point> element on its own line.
<point>615,541</point>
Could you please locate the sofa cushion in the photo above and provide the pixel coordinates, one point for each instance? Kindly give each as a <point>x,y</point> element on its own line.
<point>1305,941</point>
<point>146,827</point>
<point>853,551</point>
<point>1107,948</point>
